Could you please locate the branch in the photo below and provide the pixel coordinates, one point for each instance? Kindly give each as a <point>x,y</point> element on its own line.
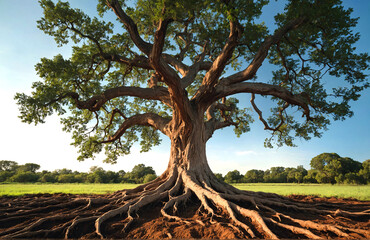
<point>192,72</point>
<point>218,106</point>
<point>146,119</point>
<point>130,25</point>
<point>113,114</point>
<point>86,36</point>
<point>96,102</point>
<point>218,65</point>
<point>186,37</point>
<point>169,76</point>
<point>159,39</point>
<point>261,55</point>
<point>138,61</point>
<point>177,64</point>
<point>214,124</point>
<point>301,99</point>
<point>267,127</point>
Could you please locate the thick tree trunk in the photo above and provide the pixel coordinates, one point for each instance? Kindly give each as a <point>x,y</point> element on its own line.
<point>188,148</point>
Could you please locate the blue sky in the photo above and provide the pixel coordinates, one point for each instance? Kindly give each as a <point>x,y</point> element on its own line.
<point>22,45</point>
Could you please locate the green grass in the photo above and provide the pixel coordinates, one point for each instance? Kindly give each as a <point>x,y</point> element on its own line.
<point>17,189</point>
<point>361,192</point>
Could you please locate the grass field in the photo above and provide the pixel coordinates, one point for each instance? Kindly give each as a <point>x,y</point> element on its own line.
<point>361,192</point>
<point>17,189</point>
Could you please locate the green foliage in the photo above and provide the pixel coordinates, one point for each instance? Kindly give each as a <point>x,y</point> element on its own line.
<point>334,169</point>
<point>138,174</point>
<point>233,177</point>
<point>24,177</point>
<point>254,176</point>
<point>48,177</point>
<point>28,173</point>
<point>365,171</point>
<point>6,165</point>
<point>66,178</point>
<point>311,176</point>
<point>29,167</point>
<point>275,174</point>
<point>219,177</point>
<point>323,46</point>
<point>331,168</point>
<point>60,21</point>
<point>5,176</point>
<point>149,178</point>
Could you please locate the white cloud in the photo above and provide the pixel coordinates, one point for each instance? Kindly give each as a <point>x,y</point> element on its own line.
<point>244,153</point>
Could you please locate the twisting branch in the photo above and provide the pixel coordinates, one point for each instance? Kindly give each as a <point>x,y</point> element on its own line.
<point>262,52</point>
<point>218,106</point>
<point>186,37</point>
<point>177,64</point>
<point>159,39</point>
<point>283,60</point>
<point>113,114</point>
<point>96,124</point>
<point>137,61</point>
<point>146,119</point>
<point>182,68</point>
<point>213,123</point>
<point>194,69</point>
<point>169,76</point>
<point>72,27</point>
<point>130,25</point>
<point>96,102</point>
<point>267,127</point>
<point>213,74</point>
<point>302,100</point>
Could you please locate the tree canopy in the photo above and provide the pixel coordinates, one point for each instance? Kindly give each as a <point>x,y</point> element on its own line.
<point>128,79</point>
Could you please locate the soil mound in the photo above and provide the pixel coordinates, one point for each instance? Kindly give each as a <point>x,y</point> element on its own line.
<point>46,215</point>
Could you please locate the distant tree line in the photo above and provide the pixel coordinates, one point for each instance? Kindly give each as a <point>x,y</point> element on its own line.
<point>325,168</point>
<point>10,171</point>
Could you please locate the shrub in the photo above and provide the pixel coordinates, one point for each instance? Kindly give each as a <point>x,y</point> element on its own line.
<point>24,177</point>
<point>149,177</point>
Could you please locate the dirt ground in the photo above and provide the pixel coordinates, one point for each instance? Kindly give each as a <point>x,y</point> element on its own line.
<point>151,224</point>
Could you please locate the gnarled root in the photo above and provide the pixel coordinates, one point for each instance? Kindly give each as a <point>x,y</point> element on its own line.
<point>248,214</point>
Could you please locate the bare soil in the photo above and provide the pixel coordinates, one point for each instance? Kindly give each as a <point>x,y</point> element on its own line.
<point>19,214</point>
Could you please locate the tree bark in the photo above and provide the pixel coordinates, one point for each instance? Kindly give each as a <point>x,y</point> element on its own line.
<point>188,146</point>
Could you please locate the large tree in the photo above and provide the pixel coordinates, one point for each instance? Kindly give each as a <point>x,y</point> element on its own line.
<point>173,66</point>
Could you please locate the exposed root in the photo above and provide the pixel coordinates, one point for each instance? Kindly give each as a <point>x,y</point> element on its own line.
<point>339,212</point>
<point>296,230</point>
<point>110,214</point>
<point>321,227</point>
<point>173,202</point>
<point>248,214</point>
<point>76,222</point>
